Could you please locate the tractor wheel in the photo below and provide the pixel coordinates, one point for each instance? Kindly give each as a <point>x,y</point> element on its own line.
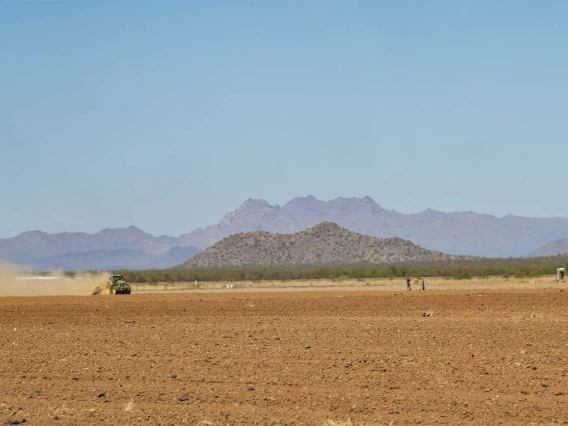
<point>128,290</point>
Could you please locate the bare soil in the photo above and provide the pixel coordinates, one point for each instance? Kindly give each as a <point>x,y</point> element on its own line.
<point>304,358</point>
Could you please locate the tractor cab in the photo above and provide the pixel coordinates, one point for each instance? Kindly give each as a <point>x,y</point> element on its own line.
<point>560,275</point>
<point>115,278</point>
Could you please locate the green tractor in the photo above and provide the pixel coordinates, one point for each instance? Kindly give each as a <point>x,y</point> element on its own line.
<point>117,285</point>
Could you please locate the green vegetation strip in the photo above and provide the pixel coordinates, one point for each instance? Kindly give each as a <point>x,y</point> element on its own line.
<point>510,267</point>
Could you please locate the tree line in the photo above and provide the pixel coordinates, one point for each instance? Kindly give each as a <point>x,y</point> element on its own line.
<point>458,269</point>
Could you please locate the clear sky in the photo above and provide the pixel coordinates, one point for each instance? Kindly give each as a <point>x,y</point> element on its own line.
<point>166,115</point>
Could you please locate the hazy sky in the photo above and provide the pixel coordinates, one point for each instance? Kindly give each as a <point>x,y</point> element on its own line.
<point>166,115</point>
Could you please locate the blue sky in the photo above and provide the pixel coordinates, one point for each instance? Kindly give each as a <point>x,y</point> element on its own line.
<point>166,115</point>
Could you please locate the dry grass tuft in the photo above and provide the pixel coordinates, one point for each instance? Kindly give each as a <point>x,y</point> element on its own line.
<point>129,406</point>
<point>63,410</point>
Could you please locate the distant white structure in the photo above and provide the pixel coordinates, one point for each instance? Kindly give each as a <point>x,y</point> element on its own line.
<point>560,275</point>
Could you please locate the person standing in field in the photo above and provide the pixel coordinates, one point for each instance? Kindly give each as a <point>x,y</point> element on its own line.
<point>408,283</point>
<point>422,282</point>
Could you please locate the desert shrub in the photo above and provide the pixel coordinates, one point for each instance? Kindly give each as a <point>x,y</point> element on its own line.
<point>462,275</point>
<point>343,278</point>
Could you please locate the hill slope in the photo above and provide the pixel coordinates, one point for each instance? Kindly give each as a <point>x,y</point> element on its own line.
<point>552,249</point>
<point>324,244</point>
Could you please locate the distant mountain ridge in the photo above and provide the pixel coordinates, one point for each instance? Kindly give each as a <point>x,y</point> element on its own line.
<point>129,248</point>
<point>323,244</point>
<point>465,233</point>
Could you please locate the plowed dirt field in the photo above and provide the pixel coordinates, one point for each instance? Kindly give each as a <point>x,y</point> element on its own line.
<point>303,358</point>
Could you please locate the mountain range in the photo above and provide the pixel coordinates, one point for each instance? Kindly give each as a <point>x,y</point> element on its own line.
<point>459,233</point>
<point>466,233</point>
<point>323,244</point>
<point>110,249</point>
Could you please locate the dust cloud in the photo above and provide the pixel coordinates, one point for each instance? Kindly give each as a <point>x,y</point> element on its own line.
<point>15,282</point>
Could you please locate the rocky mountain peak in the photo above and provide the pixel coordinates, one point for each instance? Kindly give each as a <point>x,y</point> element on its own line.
<point>250,210</point>
<point>354,206</point>
<point>254,205</point>
<point>130,233</point>
<point>368,200</point>
<point>323,244</point>
<point>29,235</point>
<point>303,201</point>
<point>327,228</point>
